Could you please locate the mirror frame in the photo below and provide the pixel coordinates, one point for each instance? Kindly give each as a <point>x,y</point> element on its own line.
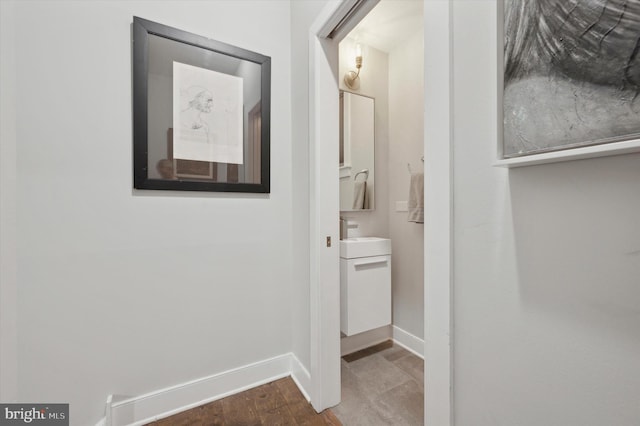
<point>342,92</point>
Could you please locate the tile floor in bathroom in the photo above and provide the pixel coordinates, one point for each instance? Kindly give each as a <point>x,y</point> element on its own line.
<point>382,385</point>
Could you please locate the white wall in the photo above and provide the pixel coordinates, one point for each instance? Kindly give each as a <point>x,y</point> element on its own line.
<point>123,291</point>
<point>546,266</point>
<point>374,82</point>
<point>406,145</point>
<point>8,219</point>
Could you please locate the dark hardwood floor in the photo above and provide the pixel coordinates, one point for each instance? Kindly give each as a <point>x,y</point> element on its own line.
<point>276,403</point>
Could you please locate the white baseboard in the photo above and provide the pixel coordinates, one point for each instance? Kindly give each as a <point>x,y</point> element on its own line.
<point>139,410</point>
<point>300,376</point>
<point>357,342</point>
<point>166,402</point>
<point>351,344</point>
<point>408,341</point>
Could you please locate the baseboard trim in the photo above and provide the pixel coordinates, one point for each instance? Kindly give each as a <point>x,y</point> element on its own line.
<point>166,402</point>
<point>408,341</point>
<point>152,406</point>
<point>357,342</point>
<point>300,376</point>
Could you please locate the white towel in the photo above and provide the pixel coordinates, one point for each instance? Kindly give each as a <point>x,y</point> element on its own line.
<point>416,198</point>
<point>360,199</point>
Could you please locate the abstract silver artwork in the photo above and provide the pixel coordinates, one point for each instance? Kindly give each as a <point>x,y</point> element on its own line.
<point>571,74</point>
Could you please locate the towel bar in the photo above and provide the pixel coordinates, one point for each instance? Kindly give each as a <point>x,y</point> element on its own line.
<point>366,174</point>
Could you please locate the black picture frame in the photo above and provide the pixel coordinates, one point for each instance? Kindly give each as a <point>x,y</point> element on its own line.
<point>156,49</point>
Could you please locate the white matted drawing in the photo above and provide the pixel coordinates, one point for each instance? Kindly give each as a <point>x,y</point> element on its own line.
<point>207,115</point>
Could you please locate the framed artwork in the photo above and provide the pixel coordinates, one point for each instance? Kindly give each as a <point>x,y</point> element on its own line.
<point>571,77</point>
<point>201,113</point>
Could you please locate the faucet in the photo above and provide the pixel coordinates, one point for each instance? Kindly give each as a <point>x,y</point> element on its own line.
<point>344,228</point>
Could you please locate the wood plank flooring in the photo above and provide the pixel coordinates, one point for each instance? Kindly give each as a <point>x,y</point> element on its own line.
<point>276,403</point>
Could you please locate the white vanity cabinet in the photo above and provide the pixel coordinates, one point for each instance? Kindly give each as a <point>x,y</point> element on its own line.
<point>365,286</point>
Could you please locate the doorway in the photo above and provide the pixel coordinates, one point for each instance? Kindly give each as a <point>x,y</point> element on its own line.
<point>380,77</point>
<point>335,21</point>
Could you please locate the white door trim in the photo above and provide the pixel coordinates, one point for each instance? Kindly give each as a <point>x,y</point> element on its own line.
<point>324,196</point>
<point>438,188</point>
<point>324,275</point>
<point>324,262</point>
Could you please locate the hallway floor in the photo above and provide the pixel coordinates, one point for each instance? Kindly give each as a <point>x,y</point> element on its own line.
<point>275,403</point>
<point>382,385</point>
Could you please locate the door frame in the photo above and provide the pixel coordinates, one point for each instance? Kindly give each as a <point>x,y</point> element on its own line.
<point>324,207</point>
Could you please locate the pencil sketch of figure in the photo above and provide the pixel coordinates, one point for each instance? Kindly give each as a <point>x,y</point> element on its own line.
<point>207,115</point>
<point>199,101</point>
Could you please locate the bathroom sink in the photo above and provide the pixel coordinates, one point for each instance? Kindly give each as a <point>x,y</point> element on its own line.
<point>351,248</point>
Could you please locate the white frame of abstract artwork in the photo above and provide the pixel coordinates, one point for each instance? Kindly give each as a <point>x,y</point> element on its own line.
<point>563,153</point>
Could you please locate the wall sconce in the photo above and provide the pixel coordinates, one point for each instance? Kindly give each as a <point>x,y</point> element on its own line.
<point>352,78</point>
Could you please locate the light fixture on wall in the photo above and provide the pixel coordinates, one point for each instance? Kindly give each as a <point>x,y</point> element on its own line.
<point>352,78</point>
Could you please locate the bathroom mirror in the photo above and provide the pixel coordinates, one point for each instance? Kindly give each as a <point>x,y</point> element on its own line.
<point>357,152</point>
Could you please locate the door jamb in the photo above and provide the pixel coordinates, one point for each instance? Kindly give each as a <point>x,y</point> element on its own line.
<point>324,321</point>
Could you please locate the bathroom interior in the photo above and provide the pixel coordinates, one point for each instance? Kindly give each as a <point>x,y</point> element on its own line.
<point>381,74</point>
